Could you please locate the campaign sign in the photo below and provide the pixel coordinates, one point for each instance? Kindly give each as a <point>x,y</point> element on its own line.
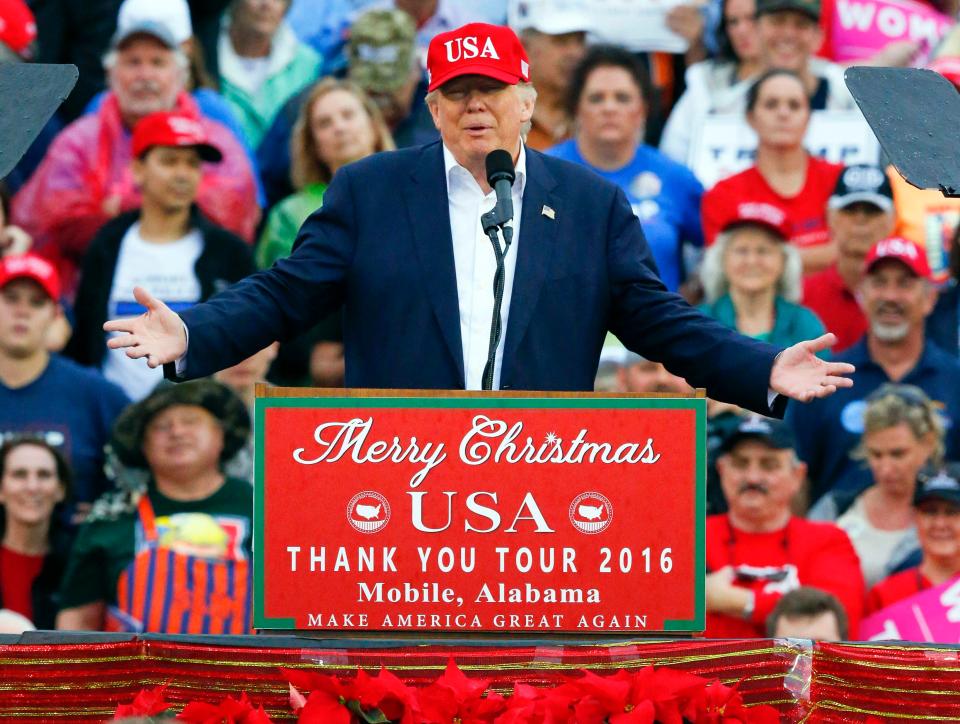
<point>861,28</point>
<point>646,30</point>
<point>725,143</point>
<point>932,616</point>
<point>488,513</point>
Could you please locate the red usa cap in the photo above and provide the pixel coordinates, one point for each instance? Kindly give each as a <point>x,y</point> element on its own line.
<point>477,49</point>
<point>169,128</point>
<point>758,213</point>
<point>904,251</point>
<point>18,29</point>
<point>31,266</point>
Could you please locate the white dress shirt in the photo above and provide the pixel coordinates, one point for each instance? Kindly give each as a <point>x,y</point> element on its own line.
<point>476,264</point>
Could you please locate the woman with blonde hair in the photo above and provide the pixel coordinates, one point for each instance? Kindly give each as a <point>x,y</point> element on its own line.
<point>338,124</point>
<point>903,433</point>
<point>751,278</point>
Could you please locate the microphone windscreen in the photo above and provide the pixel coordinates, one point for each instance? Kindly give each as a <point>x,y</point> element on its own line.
<point>499,166</point>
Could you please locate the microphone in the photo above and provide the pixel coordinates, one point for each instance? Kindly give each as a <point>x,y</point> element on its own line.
<point>500,175</point>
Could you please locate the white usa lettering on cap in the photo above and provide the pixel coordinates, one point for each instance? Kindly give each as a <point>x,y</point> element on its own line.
<point>470,47</point>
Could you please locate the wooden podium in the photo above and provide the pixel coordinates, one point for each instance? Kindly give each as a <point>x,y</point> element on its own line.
<point>475,514</point>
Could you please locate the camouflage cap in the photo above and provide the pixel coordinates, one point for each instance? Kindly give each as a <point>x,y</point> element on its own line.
<point>218,399</point>
<point>381,50</point>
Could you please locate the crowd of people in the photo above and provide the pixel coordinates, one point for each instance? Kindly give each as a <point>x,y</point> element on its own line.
<point>201,136</point>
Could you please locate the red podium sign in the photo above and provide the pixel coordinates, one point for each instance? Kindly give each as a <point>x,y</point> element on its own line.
<point>480,513</point>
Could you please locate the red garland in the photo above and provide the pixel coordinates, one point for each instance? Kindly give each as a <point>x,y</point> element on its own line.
<point>664,695</point>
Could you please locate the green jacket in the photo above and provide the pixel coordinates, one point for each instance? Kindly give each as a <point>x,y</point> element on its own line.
<point>293,66</point>
<point>285,221</point>
<point>792,323</point>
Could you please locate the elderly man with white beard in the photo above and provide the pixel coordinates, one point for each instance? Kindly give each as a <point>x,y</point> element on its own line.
<point>85,179</point>
<point>896,295</point>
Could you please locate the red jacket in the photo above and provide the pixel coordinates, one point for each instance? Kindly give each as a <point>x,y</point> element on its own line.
<point>895,588</point>
<point>811,554</point>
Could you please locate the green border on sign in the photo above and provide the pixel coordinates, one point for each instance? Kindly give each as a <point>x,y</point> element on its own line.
<point>697,404</point>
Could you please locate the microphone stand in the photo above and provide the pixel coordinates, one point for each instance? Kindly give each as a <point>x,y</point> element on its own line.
<point>493,221</point>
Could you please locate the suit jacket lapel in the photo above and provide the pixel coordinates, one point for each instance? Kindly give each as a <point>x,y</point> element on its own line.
<point>535,247</point>
<point>427,203</point>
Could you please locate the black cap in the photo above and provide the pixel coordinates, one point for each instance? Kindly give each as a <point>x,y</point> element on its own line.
<point>863,183</point>
<point>773,433</point>
<point>810,8</point>
<point>942,484</point>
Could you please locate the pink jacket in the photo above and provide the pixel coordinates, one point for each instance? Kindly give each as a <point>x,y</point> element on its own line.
<point>62,204</point>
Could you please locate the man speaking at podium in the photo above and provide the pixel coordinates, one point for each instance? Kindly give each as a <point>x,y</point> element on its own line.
<point>459,268</point>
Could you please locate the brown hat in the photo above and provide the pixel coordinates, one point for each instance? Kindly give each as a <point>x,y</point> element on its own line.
<point>219,400</point>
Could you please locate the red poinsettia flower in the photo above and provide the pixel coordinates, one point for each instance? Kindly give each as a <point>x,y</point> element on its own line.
<point>228,711</point>
<point>147,702</point>
<point>387,693</point>
<point>328,698</point>
<point>455,696</point>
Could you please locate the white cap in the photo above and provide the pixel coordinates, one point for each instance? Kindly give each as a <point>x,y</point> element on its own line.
<point>174,14</point>
<point>553,17</point>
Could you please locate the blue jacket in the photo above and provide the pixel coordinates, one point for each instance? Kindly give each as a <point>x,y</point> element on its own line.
<point>381,246</point>
<point>943,324</point>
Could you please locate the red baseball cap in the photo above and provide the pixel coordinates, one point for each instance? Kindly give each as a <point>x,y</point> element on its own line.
<point>477,49</point>
<point>903,250</point>
<point>31,266</point>
<point>18,28</point>
<point>169,128</point>
<point>758,213</point>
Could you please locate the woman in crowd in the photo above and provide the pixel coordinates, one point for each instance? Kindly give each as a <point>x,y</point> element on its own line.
<point>751,278</point>
<point>937,513</point>
<point>716,85</point>
<point>784,174</point>
<point>34,480</point>
<point>902,432</point>
<point>337,124</point>
<point>609,98</point>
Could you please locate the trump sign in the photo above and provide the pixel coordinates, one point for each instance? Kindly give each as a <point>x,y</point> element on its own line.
<point>568,513</point>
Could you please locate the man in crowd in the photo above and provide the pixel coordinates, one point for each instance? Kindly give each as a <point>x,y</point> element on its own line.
<point>759,551</point>
<point>860,215</point>
<point>555,40</point>
<point>639,374</point>
<point>262,64</point>
<point>584,268</point>
<point>166,244</point>
<point>790,34</point>
<point>71,407</point>
<point>808,613</point>
<point>897,296</point>
<point>85,179</point>
<point>175,557</point>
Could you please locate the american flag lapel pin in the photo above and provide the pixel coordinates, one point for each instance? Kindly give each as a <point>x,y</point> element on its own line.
<point>548,212</point>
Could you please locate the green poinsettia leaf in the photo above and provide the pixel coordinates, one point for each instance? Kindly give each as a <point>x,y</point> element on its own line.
<point>373,716</point>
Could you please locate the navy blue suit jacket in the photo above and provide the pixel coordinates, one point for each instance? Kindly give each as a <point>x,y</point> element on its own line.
<point>381,247</point>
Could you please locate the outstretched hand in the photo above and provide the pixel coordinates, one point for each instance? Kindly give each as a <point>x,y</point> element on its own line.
<point>157,334</point>
<point>799,374</point>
